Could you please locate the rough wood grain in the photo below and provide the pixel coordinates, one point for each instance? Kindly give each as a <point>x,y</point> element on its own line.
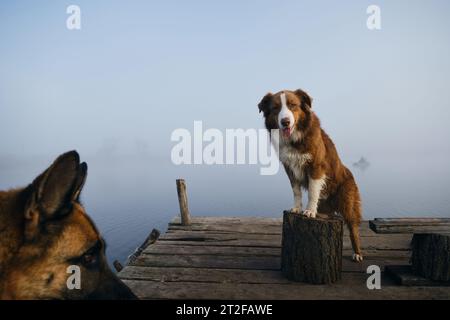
<point>162,249</point>
<point>250,262</point>
<point>431,256</point>
<point>365,231</point>
<point>212,236</point>
<point>183,202</point>
<point>186,274</point>
<point>410,225</point>
<point>352,286</point>
<point>231,220</point>
<point>311,249</point>
<point>181,237</point>
<point>404,275</point>
<point>209,261</point>
<point>174,278</point>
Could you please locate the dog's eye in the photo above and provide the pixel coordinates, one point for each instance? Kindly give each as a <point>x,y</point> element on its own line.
<point>89,259</point>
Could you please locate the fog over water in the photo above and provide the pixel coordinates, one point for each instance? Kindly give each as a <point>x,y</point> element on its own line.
<point>116,90</point>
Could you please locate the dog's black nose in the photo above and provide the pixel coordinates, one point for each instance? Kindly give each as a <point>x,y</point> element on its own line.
<point>285,122</point>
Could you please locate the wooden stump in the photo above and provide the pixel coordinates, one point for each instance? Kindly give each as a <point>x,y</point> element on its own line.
<point>431,256</point>
<point>311,249</point>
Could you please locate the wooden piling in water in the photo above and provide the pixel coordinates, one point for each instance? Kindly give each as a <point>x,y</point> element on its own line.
<point>182,200</point>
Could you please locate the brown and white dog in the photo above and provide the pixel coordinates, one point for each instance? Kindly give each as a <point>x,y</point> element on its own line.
<point>312,162</point>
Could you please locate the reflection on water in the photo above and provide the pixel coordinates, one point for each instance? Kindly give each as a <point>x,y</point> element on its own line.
<point>127,197</point>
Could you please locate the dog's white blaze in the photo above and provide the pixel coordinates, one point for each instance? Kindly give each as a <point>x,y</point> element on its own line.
<point>285,112</point>
<point>315,187</point>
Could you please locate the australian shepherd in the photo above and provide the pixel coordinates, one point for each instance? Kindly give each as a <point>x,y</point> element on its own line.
<point>312,162</point>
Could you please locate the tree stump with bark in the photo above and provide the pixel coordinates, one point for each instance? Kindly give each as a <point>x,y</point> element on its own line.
<point>312,249</point>
<point>431,255</point>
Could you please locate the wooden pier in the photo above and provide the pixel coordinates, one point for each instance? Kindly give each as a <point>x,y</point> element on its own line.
<point>239,258</point>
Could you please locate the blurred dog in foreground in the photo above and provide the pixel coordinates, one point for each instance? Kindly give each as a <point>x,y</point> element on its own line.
<point>44,230</point>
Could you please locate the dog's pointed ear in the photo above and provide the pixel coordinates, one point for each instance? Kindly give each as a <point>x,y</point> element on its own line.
<point>53,191</point>
<point>304,97</point>
<point>80,181</point>
<point>264,105</point>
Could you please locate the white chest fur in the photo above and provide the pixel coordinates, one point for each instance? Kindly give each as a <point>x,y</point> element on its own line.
<point>294,160</point>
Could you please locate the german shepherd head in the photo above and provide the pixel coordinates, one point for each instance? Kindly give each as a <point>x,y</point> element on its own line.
<point>45,235</point>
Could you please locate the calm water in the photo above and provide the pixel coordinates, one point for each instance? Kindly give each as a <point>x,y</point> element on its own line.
<point>128,196</point>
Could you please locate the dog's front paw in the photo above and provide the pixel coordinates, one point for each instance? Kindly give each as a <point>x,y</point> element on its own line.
<point>295,210</point>
<point>357,257</point>
<point>310,213</point>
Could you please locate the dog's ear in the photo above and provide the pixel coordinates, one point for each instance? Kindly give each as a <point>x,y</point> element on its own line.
<point>305,98</point>
<point>79,182</point>
<point>53,191</point>
<point>264,105</point>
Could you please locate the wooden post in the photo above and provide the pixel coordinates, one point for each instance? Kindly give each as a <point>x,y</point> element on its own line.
<point>311,249</point>
<point>117,265</point>
<point>182,200</point>
<point>151,238</point>
<point>431,256</point>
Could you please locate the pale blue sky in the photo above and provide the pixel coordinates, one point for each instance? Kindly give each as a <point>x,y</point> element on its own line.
<point>139,69</point>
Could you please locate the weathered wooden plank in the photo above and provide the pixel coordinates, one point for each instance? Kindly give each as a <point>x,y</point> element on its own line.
<point>348,265</point>
<point>403,275</point>
<point>223,228</point>
<point>352,286</point>
<point>215,236</point>
<point>221,239</point>
<point>230,220</point>
<point>220,243</point>
<point>379,242</point>
<point>267,225</point>
<point>377,245</point>
<point>410,225</point>
<point>209,261</point>
<point>162,249</point>
<point>414,220</point>
<point>187,274</point>
<point>388,242</point>
<point>248,262</point>
<point>384,254</point>
<point>258,229</point>
<point>165,274</point>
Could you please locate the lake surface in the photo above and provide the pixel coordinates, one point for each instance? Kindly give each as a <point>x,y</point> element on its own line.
<point>128,196</point>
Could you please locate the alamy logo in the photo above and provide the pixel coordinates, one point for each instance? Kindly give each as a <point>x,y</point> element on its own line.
<point>374,19</point>
<point>73,22</point>
<point>374,280</point>
<point>74,280</point>
<point>236,146</point>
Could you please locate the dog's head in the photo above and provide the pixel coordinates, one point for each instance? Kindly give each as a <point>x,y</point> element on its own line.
<point>60,243</point>
<point>287,111</point>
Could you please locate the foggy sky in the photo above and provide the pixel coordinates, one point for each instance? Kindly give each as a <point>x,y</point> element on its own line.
<point>137,70</point>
